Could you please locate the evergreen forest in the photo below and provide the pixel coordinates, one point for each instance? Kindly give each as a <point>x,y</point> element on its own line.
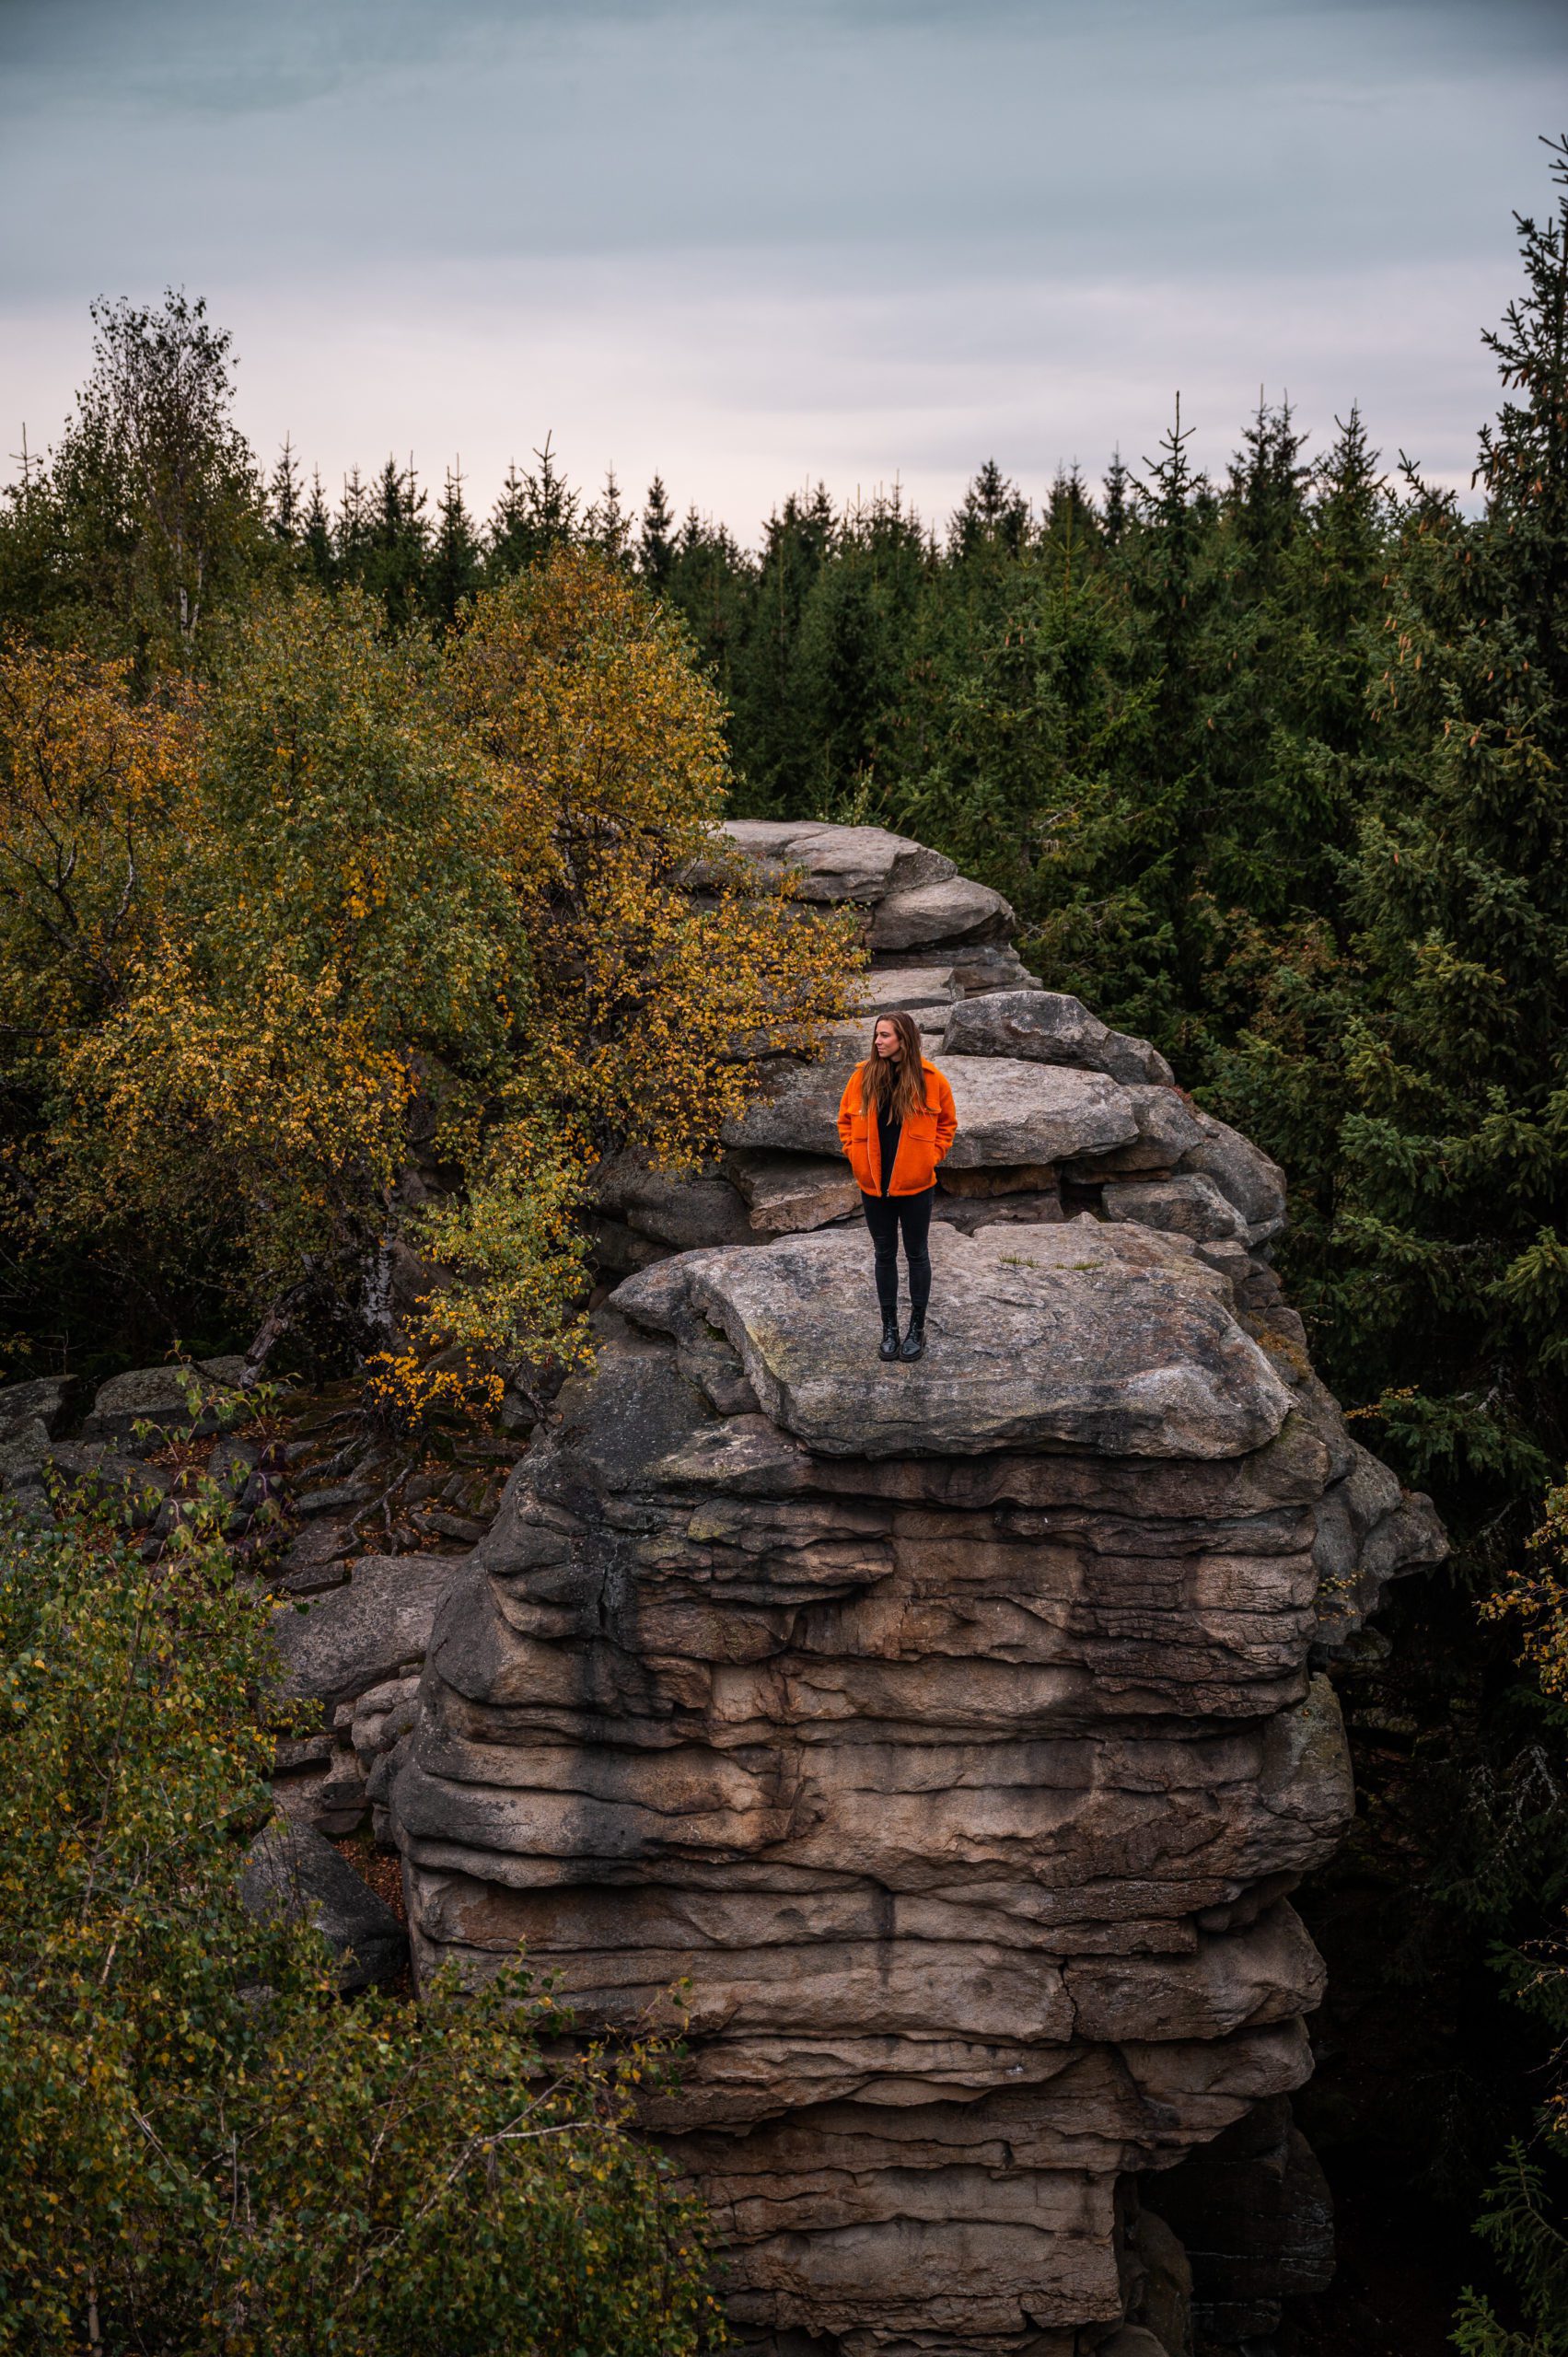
<point>1273,766</point>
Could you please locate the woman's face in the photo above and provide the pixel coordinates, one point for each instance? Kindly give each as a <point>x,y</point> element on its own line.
<point>886,1040</point>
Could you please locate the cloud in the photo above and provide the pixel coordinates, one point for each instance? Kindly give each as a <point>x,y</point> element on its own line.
<point>750,240</point>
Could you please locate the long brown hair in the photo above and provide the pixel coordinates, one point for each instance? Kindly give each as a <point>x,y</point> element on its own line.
<point>893,1086</point>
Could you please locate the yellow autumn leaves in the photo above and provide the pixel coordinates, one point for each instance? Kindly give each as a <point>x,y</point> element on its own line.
<point>365,904</point>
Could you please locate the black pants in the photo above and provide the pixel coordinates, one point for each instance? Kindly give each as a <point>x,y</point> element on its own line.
<point>885,1214</point>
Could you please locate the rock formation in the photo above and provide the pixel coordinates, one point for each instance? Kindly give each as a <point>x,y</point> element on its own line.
<point>291,1871</point>
<point>949,1732</point>
<point>948,1737</point>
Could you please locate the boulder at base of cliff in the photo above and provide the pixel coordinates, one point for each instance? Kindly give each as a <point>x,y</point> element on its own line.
<point>291,1871</point>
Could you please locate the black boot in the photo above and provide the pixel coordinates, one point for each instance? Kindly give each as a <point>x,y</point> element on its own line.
<point>889,1348</point>
<point>914,1341</point>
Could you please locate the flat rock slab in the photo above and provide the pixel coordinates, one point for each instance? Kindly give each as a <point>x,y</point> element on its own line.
<point>913,988</point>
<point>682,1210</point>
<point>1009,1112</point>
<point>688,1211</point>
<point>1243,1173</point>
<point>1190,1205</point>
<point>1165,1130</point>
<point>972,1212</point>
<point>355,1637</point>
<point>24,1453</point>
<point>40,1401</point>
<point>788,1192</point>
<point>1020,1178</point>
<point>1081,1336</point>
<point>977,965</point>
<point>120,1484</point>
<point>314,1558</point>
<point>164,1398</point>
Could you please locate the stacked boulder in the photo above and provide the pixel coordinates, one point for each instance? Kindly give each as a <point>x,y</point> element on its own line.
<point>932,936</point>
<point>1057,1113</point>
<point>950,1737</point>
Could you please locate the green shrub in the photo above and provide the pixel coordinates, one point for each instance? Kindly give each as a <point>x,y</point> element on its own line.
<point>206,2149</point>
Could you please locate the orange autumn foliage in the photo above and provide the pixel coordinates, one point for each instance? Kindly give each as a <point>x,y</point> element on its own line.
<point>609,752</point>
<point>244,928</point>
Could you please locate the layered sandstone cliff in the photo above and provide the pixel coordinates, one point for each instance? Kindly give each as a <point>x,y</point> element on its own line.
<point>950,1731</point>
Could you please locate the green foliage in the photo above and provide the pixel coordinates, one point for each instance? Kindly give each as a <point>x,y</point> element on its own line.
<point>1515,2222</point>
<point>1148,726</point>
<point>206,2150</point>
<point>253,933</point>
<point>1523,2211</point>
<point>535,514</point>
<point>656,548</point>
<point>149,518</point>
<point>515,1248</point>
<point>1433,1078</point>
<point>395,545</point>
<point>351,824</point>
<point>1271,766</point>
<point>455,569</point>
<point>226,934</point>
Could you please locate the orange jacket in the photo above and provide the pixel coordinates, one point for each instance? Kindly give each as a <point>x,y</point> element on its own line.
<point>923,1142</point>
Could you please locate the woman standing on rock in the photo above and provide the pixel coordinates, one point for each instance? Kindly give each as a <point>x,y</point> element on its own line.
<point>896,1122</point>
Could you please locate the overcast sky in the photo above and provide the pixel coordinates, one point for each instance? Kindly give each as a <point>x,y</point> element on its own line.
<point>755,242</point>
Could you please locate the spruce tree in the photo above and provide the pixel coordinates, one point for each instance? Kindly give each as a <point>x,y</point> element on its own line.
<point>772,746</point>
<point>555,504</point>
<point>391,564</point>
<point>709,583</point>
<point>283,501</point>
<point>852,654</point>
<point>1004,707</point>
<point>1070,527</point>
<point>534,514</point>
<point>503,532</point>
<point>994,515</point>
<point>1446,1274</point>
<point>1129,928</point>
<point>606,524</point>
<point>656,545</point>
<point>1263,825</point>
<point>1114,513</point>
<point>454,570</point>
<point>316,536</point>
<point>1268,478</point>
<point>352,527</point>
<point>1350,516</point>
